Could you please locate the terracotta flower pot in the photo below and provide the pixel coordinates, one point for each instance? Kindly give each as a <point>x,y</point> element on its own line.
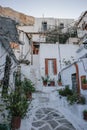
<point>59,83</point>
<point>29,95</point>
<point>44,83</point>
<point>52,83</point>
<point>84,86</point>
<point>16,122</point>
<point>85,116</point>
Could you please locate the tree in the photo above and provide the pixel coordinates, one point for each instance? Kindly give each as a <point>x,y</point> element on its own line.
<point>56,35</point>
<point>6,75</point>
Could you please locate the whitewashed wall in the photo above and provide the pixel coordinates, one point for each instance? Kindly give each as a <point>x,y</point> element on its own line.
<point>25,50</point>
<point>47,51</point>
<point>67,51</point>
<point>81,51</point>
<point>36,60</point>
<point>66,75</point>
<point>52,51</point>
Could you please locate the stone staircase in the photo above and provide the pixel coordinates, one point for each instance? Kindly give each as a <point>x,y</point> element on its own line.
<point>35,76</point>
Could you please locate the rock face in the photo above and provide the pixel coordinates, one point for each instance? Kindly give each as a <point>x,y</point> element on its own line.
<point>21,18</point>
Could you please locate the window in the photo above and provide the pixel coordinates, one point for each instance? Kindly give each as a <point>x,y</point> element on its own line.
<point>35,49</point>
<point>61,25</point>
<point>44,26</point>
<point>50,67</point>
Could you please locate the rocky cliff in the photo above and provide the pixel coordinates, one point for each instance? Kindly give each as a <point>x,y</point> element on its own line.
<point>17,16</point>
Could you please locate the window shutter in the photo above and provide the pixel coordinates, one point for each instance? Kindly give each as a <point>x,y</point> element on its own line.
<point>46,67</point>
<point>55,67</point>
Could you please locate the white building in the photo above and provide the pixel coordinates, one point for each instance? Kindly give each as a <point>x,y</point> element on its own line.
<point>78,70</point>
<point>50,59</point>
<point>54,57</point>
<point>38,34</point>
<point>82,26</point>
<point>42,25</point>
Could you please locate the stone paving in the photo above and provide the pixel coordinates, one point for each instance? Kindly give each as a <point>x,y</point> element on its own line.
<point>50,119</point>
<point>47,117</point>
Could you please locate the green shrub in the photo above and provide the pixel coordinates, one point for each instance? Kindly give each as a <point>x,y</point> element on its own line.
<point>75,98</point>
<point>66,91</point>
<point>17,104</point>
<point>84,81</point>
<point>72,98</point>
<point>85,111</point>
<point>62,92</point>
<point>81,100</point>
<point>28,86</point>
<point>45,79</point>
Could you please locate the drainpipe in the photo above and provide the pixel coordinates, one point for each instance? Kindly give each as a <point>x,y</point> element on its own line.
<point>77,78</point>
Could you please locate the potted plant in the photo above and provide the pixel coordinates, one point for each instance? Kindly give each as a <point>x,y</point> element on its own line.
<point>28,87</point>
<point>45,80</point>
<point>85,115</point>
<point>52,82</point>
<point>59,82</point>
<point>84,84</point>
<point>17,105</point>
<point>4,121</point>
<point>59,79</point>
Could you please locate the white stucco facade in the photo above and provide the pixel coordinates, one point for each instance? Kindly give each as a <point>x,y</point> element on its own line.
<point>48,51</point>
<point>80,70</point>
<point>58,52</point>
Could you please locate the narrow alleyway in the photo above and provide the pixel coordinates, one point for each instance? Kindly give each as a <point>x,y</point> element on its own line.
<point>45,112</point>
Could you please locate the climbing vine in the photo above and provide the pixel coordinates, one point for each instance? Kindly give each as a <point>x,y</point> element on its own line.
<point>6,77</point>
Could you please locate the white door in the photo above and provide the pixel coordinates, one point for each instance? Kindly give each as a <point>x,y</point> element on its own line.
<point>50,68</point>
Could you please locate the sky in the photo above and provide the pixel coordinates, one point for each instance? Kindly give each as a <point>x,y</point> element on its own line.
<point>48,8</point>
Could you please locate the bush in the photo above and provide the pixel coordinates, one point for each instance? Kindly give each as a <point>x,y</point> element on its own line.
<point>17,104</point>
<point>72,98</point>
<point>81,100</point>
<point>75,98</point>
<point>28,86</point>
<point>66,91</point>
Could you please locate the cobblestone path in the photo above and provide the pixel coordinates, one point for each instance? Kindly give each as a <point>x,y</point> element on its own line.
<point>50,119</point>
